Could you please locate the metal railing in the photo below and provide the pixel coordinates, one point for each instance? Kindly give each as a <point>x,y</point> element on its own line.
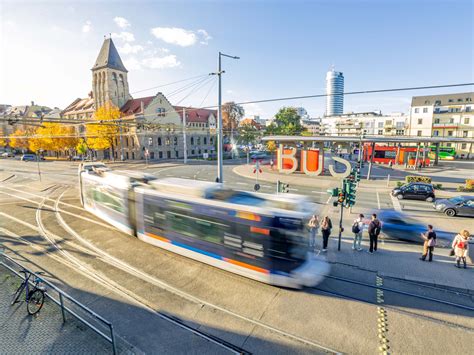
<point>64,296</point>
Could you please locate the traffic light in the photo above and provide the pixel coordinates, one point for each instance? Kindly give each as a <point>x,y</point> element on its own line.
<point>333,192</point>
<point>350,185</point>
<point>341,197</point>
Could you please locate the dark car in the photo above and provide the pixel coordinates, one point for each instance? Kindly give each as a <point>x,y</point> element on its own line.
<point>415,191</point>
<point>456,206</point>
<point>28,157</point>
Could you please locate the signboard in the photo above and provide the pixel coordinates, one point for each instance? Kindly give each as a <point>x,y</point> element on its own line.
<point>205,155</point>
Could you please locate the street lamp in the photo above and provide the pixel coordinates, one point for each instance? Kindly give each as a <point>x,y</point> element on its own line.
<point>220,176</point>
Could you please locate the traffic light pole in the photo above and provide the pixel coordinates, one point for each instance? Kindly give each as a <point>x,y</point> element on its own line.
<point>340,219</point>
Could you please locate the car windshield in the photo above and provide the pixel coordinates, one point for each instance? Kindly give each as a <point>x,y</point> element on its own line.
<point>456,199</point>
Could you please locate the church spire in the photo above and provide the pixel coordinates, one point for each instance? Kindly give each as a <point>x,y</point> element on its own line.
<point>109,57</point>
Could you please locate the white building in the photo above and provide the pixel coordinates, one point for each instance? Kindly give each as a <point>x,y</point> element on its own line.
<point>313,125</point>
<point>334,90</point>
<point>448,115</point>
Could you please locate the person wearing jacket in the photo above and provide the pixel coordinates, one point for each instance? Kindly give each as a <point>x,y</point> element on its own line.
<point>374,230</point>
<point>313,225</point>
<point>357,229</point>
<point>326,226</point>
<point>461,247</point>
<point>430,241</point>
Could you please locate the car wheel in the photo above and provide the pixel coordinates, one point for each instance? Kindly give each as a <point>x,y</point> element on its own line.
<point>450,212</point>
<point>400,196</point>
<point>429,199</point>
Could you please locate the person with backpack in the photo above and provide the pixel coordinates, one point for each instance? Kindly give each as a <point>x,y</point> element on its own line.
<point>357,229</point>
<point>326,227</point>
<point>374,230</point>
<point>430,241</point>
<point>461,247</point>
<point>313,225</point>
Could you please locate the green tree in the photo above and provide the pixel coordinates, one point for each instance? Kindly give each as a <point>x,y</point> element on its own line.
<point>248,135</point>
<point>288,122</point>
<point>82,148</point>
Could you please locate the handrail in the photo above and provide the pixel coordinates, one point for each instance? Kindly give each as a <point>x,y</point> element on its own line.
<point>62,295</point>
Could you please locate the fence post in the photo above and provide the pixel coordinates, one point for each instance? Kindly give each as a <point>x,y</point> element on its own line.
<point>112,337</point>
<point>62,306</point>
<point>388,180</point>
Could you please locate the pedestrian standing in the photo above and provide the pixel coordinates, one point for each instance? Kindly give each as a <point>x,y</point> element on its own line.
<point>461,247</point>
<point>357,229</point>
<point>374,230</point>
<point>429,243</point>
<point>326,227</point>
<point>271,164</point>
<point>390,163</point>
<point>313,225</point>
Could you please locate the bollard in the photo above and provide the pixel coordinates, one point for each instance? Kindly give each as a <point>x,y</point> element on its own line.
<point>388,180</point>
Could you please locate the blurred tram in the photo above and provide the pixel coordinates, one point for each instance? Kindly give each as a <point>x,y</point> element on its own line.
<point>260,236</point>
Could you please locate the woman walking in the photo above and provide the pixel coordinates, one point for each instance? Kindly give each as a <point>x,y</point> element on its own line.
<point>326,227</point>
<point>461,247</point>
<point>313,225</point>
<point>429,243</point>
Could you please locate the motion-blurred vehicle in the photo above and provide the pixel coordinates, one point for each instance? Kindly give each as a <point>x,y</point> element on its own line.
<point>28,157</point>
<point>397,225</point>
<point>259,236</point>
<point>456,206</point>
<point>415,191</point>
<point>7,155</point>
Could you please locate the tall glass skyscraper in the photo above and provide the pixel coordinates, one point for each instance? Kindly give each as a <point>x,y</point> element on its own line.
<point>334,90</point>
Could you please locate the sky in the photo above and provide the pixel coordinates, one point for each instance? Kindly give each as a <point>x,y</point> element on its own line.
<point>47,49</point>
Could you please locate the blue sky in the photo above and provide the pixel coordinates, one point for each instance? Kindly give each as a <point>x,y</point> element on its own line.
<point>286,47</point>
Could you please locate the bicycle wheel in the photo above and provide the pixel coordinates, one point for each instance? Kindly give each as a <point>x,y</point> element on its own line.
<point>35,301</point>
<point>18,293</point>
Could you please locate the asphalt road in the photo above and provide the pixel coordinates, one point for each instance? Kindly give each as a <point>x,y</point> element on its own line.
<point>133,284</point>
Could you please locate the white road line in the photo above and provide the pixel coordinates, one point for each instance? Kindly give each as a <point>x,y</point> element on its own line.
<point>265,186</point>
<point>293,189</point>
<point>378,200</point>
<point>329,199</point>
<point>241,183</point>
<point>396,204</point>
<point>319,192</point>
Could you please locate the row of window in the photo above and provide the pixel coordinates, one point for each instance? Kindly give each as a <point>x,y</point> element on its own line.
<point>175,141</point>
<point>161,155</point>
<point>450,109</point>
<point>450,133</point>
<point>451,120</point>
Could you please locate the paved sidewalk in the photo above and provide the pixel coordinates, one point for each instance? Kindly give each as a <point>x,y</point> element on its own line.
<point>401,260</point>
<point>21,333</point>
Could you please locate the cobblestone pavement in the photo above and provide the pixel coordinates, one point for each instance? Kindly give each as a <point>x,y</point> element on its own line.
<point>21,333</point>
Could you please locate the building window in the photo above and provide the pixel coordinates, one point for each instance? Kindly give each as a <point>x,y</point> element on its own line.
<point>436,110</point>
<point>420,121</point>
<point>450,133</point>
<point>168,154</point>
<point>150,141</point>
<point>160,112</point>
<point>459,100</point>
<point>126,155</point>
<point>380,131</point>
<point>418,133</point>
<point>192,152</point>
<point>451,120</point>
<point>159,141</point>
<point>167,141</point>
<point>466,120</point>
<point>175,140</point>
<point>205,140</point>
<point>435,133</point>
<point>464,146</point>
<point>192,141</point>
<point>438,102</point>
<point>468,99</point>
<point>464,134</point>
<point>133,155</point>
<point>425,109</point>
<point>400,132</point>
<point>160,155</point>
<point>133,141</point>
<point>400,124</point>
<point>417,110</point>
<point>380,124</point>
<point>198,141</point>
<point>427,102</point>
<point>436,120</point>
<point>468,108</point>
<point>450,100</point>
<point>211,140</point>
<point>448,144</point>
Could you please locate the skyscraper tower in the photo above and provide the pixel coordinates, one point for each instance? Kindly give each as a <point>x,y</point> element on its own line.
<point>334,90</point>
<point>109,77</point>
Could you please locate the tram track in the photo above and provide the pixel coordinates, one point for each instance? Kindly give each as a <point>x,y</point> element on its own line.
<point>71,261</point>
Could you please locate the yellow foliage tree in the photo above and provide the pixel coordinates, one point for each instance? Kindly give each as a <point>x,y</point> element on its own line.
<point>18,139</point>
<point>101,136</point>
<point>271,146</point>
<point>53,136</point>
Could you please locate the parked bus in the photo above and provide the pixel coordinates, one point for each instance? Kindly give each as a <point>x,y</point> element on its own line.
<point>445,152</point>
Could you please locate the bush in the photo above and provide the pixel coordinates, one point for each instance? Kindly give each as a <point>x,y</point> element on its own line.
<point>400,183</point>
<point>416,178</point>
<point>470,183</point>
<point>463,188</point>
<point>438,186</point>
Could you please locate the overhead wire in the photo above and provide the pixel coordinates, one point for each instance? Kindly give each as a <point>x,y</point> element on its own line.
<point>168,84</point>
<point>210,79</point>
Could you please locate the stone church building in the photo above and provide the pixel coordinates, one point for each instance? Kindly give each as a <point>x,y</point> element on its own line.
<point>151,125</point>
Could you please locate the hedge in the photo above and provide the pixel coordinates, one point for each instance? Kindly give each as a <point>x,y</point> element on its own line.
<point>470,184</point>
<point>416,178</point>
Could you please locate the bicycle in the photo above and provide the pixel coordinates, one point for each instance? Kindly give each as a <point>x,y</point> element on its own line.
<point>34,298</point>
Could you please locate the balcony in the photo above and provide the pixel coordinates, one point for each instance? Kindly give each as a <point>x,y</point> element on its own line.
<point>445,125</point>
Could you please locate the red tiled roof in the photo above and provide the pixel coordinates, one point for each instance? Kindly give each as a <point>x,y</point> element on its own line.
<point>195,115</point>
<point>134,105</point>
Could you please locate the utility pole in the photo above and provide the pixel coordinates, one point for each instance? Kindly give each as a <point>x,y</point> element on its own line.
<point>220,161</point>
<point>121,143</point>
<point>185,145</point>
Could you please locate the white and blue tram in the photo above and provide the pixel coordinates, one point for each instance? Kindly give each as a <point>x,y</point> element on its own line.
<point>260,236</point>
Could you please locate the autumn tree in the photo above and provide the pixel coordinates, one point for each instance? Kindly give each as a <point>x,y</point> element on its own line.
<point>19,140</point>
<point>82,148</point>
<point>54,137</point>
<point>102,133</point>
<point>231,116</point>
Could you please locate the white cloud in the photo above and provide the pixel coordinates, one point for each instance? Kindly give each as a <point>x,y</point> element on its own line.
<point>125,36</point>
<point>204,36</point>
<point>132,63</point>
<point>87,27</point>
<point>121,22</point>
<point>129,49</point>
<point>169,61</point>
<point>174,35</point>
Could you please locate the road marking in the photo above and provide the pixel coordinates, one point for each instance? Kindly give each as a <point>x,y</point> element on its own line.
<point>382,317</point>
<point>378,199</point>
<point>241,183</point>
<point>293,189</point>
<point>319,192</point>
<point>329,199</point>
<point>396,204</point>
<point>265,186</point>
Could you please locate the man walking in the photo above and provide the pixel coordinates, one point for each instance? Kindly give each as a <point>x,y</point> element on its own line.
<point>357,229</point>
<point>374,230</point>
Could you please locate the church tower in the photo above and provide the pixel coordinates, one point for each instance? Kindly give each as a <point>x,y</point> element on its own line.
<point>109,77</point>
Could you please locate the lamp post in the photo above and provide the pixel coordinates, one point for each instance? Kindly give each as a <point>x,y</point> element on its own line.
<point>220,152</point>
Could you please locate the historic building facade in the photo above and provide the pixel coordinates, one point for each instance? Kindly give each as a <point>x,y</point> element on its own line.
<point>151,126</point>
